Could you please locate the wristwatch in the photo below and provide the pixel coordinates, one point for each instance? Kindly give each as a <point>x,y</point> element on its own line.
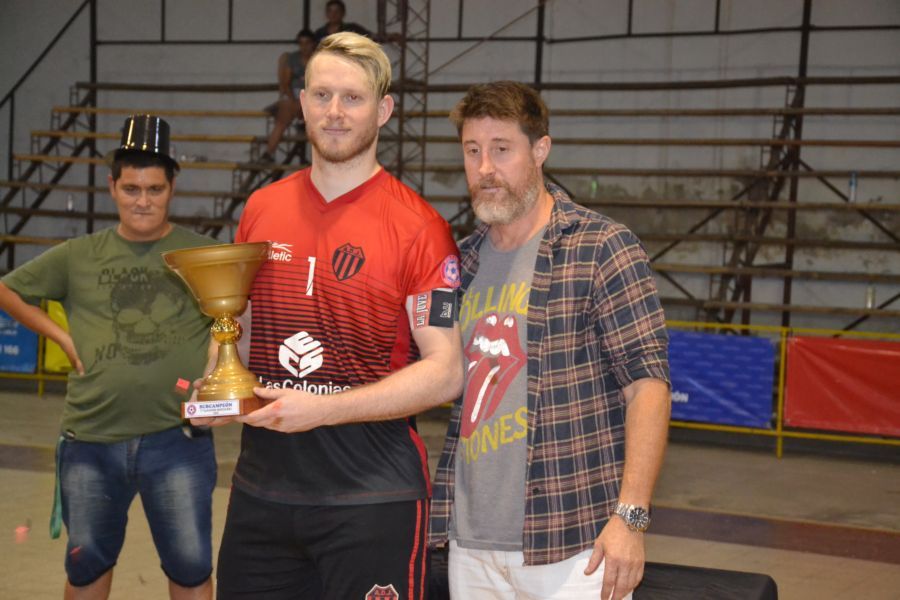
<point>636,517</point>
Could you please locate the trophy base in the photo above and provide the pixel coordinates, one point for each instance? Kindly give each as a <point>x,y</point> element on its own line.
<point>219,408</point>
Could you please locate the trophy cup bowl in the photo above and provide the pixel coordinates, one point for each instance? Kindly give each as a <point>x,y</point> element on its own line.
<point>220,278</point>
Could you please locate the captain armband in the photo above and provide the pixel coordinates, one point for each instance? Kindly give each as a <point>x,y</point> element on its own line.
<point>436,308</point>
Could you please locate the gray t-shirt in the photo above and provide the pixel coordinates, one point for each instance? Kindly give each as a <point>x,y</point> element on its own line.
<point>489,505</point>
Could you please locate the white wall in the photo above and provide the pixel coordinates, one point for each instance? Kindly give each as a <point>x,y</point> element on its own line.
<point>26,27</point>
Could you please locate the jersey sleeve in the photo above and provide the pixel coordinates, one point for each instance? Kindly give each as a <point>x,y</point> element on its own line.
<point>627,313</point>
<point>245,223</point>
<point>45,277</point>
<point>432,260</point>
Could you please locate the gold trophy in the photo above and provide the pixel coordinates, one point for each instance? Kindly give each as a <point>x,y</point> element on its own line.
<point>220,278</point>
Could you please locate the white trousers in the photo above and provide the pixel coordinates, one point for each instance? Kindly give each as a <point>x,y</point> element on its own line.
<point>493,575</point>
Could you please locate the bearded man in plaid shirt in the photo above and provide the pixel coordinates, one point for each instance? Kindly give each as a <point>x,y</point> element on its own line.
<point>544,484</point>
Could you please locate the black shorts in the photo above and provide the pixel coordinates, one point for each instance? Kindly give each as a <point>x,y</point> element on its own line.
<point>276,551</point>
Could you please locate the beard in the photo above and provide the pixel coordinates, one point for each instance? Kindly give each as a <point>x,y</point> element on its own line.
<point>509,203</point>
<point>344,150</point>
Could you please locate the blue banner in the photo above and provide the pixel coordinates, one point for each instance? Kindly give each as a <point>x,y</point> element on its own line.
<point>18,346</point>
<point>723,379</point>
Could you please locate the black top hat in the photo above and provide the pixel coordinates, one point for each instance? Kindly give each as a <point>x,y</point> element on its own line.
<point>145,133</point>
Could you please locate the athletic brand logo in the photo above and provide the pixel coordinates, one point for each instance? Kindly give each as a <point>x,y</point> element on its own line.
<point>347,261</point>
<point>300,354</point>
<point>382,592</point>
<point>450,271</point>
<point>280,252</point>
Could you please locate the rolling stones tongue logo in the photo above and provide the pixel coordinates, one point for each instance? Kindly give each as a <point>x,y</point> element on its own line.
<point>494,356</point>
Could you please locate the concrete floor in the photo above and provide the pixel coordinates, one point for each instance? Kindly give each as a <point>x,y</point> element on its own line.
<point>822,527</point>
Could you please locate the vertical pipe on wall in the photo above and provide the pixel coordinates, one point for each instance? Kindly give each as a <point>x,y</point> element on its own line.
<point>630,14</point>
<point>779,408</point>
<point>12,123</point>
<point>162,20</point>
<point>794,163</point>
<point>539,43</point>
<point>92,120</point>
<point>231,19</point>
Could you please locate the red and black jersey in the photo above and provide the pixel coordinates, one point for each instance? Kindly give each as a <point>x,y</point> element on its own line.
<point>328,314</point>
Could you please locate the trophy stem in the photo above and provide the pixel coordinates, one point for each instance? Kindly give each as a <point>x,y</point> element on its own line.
<point>229,380</point>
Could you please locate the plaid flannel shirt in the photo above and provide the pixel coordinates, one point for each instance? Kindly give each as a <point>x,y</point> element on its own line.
<point>594,326</point>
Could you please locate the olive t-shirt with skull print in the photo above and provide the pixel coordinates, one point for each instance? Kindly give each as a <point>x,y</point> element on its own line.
<point>136,327</point>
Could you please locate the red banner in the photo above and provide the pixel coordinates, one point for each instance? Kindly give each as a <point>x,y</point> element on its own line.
<point>843,385</point>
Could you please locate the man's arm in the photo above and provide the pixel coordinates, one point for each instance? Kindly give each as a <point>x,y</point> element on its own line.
<point>39,322</point>
<point>646,430</point>
<point>435,378</point>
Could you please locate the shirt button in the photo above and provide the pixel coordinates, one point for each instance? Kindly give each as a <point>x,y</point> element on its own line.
<point>536,490</point>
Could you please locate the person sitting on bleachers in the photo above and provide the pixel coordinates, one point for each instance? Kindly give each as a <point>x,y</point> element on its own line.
<point>335,11</point>
<point>291,73</point>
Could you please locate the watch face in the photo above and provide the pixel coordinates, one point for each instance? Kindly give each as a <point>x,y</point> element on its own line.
<point>639,518</point>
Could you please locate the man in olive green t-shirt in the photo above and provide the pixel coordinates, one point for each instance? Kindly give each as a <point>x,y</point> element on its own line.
<point>134,331</point>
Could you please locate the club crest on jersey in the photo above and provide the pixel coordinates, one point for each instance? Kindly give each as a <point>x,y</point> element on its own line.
<point>347,261</point>
<point>382,592</point>
<point>450,271</point>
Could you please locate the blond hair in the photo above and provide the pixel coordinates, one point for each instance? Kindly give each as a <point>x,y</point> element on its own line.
<point>362,51</point>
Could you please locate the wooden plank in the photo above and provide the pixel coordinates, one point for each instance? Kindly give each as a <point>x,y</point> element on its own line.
<point>771,272</point>
<point>791,308</point>
<point>811,111</point>
<point>559,171</point>
<point>774,142</point>
<point>731,173</point>
<point>206,165</point>
<point>33,240</point>
<point>632,203</point>
<point>191,137</point>
<point>109,216</point>
<point>85,189</point>
<point>164,112</point>
<point>717,238</point>
<point>443,114</point>
<point>244,139</point>
<point>435,139</point>
<point>684,84</point>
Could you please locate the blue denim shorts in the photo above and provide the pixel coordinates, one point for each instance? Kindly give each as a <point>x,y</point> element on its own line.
<point>175,475</point>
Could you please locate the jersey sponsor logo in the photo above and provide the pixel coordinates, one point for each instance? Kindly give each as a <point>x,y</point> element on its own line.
<point>280,252</point>
<point>382,592</point>
<point>329,387</point>
<point>300,354</point>
<point>494,356</point>
<point>347,261</point>
<point>450,271</point>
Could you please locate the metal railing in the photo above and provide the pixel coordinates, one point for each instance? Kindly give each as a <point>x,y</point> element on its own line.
<point>780,432</point>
